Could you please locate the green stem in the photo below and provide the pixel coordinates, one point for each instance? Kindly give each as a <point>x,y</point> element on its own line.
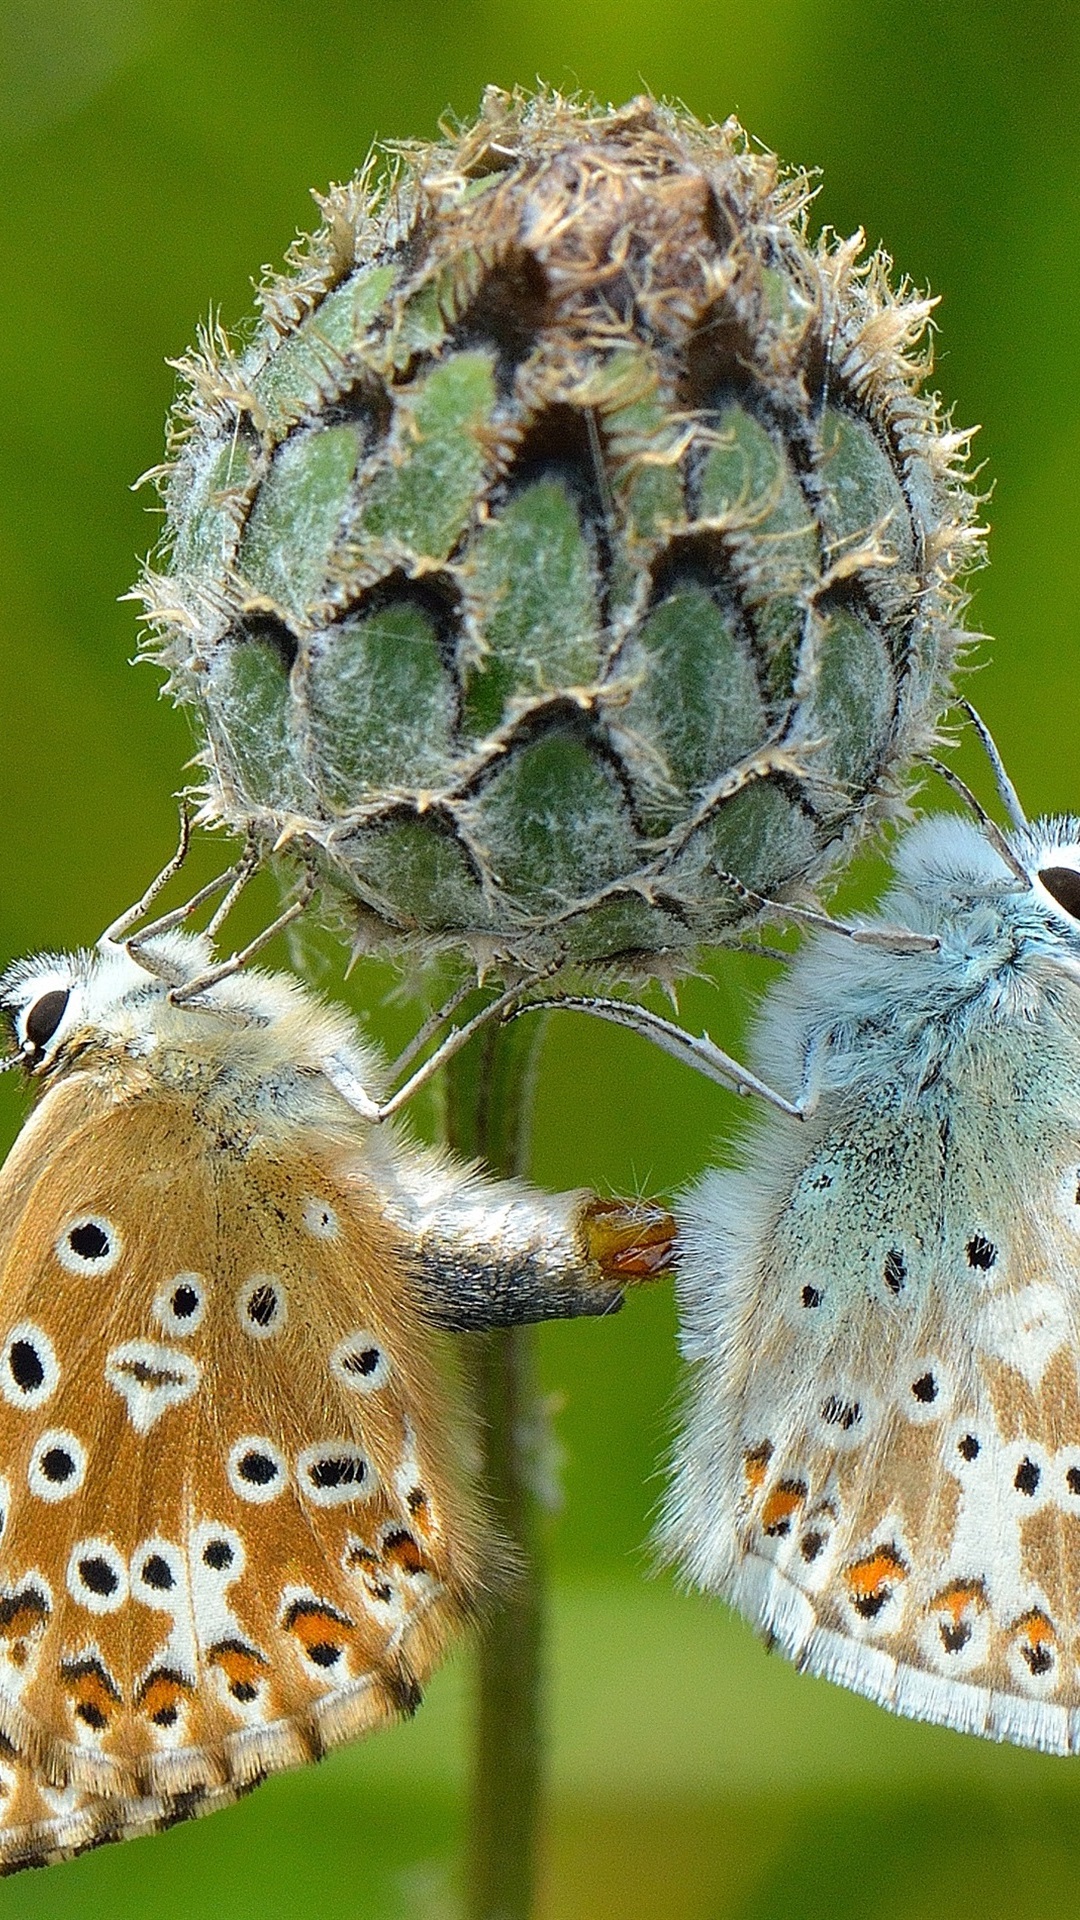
<point>489,1100</point>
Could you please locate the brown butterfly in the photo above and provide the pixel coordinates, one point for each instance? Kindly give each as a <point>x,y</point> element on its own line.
<point>235,1526</point>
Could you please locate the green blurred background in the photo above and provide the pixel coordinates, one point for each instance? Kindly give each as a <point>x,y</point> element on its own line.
<point>154,154</point>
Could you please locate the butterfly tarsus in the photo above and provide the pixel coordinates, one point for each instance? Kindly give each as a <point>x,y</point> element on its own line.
<point>434,1023</point>
<point>245,870</point>
<point>138,945</point>
<point>990,827</point>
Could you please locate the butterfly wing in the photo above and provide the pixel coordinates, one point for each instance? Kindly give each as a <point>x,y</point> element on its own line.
<point>881,1464</point>
<point>229,1540</point>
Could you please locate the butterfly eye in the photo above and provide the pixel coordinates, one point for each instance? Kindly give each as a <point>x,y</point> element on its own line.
<point>44,1016</point>
<point>1063,885</point>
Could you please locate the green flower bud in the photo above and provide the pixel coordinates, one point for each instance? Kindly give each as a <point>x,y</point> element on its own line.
<point>573,533</point>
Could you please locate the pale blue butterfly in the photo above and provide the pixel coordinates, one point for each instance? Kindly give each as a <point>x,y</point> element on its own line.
<point>880,1463</point>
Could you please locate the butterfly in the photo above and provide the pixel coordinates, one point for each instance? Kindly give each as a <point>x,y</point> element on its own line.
<point>236,1525</point>
<point>881,1306</point>
<point>880,1303</point>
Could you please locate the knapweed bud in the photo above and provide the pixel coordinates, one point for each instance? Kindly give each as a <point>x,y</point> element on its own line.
<point>572,533</point>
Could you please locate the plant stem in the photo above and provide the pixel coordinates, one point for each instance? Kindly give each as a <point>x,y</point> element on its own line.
<point>489,1102</point>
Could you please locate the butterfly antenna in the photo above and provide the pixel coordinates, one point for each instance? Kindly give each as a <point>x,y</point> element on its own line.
<point>694,1050</point>
<point>990,827</point>
<point>134,914</point>
<point>1010,799</point>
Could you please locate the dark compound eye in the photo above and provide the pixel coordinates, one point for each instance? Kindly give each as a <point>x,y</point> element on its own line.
<point>45,1016</point>
<point>1063,885</point>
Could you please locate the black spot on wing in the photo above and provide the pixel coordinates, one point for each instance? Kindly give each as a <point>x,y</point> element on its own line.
<point>981,1252</point>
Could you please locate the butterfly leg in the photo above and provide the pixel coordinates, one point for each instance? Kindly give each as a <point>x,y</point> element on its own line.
<point>695,1050</point>
<point>190,990</point>
<point>139,945</point>
<point>435,1023</point>
<point>1007,793</point>
<point>892,939</point>
<point>344,1077</point>
<point>990,827</point>
<point>134,914</point>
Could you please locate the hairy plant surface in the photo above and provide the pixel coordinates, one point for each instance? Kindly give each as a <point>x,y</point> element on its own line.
<point>571,534</point>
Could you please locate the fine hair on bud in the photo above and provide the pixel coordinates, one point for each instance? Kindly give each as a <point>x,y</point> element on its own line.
<point>572,530</point>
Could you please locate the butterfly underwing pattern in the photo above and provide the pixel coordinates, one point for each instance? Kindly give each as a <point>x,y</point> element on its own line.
<point>235,1521</point>
<point>881,1459</point>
